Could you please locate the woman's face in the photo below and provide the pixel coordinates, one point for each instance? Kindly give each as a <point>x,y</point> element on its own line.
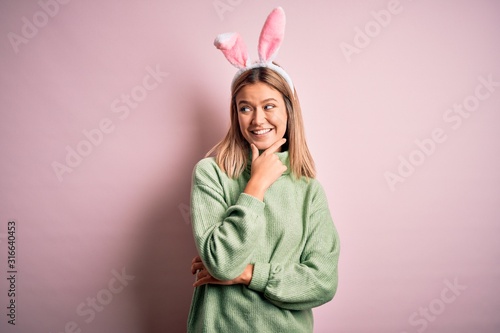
<point>261,114</point>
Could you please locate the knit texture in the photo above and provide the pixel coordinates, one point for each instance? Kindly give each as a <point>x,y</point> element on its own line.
<point>290,238</point>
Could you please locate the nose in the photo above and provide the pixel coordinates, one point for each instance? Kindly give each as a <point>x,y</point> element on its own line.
<point>259,116</point>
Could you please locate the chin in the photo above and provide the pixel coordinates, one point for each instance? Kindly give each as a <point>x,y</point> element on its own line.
<point>267,144</point>
<point>263,145</point>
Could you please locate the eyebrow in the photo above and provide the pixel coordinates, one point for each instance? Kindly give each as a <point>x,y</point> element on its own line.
<point>264,101</point>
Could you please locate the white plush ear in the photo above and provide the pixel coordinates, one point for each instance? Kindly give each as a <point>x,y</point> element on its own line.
<point>234,49</point>
<point>272,35</point>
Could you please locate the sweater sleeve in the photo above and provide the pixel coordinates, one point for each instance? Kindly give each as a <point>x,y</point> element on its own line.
<point>312,281</point>
<point>224,234</point>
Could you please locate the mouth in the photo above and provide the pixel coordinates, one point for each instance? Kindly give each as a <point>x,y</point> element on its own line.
<point>261,131</point>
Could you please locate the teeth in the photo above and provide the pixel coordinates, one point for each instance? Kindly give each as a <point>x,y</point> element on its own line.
<point>262,131</point>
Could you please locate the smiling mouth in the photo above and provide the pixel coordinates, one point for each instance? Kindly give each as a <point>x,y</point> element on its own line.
<point>262,131</point>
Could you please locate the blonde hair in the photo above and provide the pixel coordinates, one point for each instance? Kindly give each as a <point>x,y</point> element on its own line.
<point>232,152</point>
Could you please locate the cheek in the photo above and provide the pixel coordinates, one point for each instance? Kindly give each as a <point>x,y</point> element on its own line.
<point>280,120</point>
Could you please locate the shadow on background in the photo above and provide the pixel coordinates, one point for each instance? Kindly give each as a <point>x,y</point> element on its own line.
<point>163,280</point>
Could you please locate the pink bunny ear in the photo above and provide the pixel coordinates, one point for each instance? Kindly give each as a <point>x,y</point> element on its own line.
<point>272,35</point>
<point>232,46</point>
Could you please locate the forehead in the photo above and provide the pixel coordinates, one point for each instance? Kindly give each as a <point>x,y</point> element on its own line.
<point>257,92</point>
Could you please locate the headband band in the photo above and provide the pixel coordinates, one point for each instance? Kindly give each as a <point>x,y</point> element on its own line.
<point>272,34</point>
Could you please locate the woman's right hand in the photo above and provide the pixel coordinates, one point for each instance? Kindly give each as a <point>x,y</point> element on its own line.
<point>266,169</point>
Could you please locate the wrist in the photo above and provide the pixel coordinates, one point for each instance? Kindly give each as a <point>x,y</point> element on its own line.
<point>254,190</point>
<point>247,275</point>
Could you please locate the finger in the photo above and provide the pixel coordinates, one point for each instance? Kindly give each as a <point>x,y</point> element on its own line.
<point>197,267</point>
<point>275,146</point>
<point>255,152</point>
<point>203,280</point>
<point>201,274</point>
<point>195,259</point>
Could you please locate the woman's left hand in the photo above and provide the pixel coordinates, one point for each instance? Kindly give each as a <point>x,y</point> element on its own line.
<point>204,277</point>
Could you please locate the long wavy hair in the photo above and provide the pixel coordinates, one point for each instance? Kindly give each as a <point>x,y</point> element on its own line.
<point>233,151</point>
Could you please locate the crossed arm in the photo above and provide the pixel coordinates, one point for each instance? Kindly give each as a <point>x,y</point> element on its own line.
<point>204,277</point>
<point>224,247</point>
<point>266,169</point>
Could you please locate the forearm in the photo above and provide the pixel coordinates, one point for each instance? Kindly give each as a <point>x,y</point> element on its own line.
<point>295,287</point>
<point>204,277</point>
<point>246,277</point>
<point>225,237</point>
<point>308,281</point>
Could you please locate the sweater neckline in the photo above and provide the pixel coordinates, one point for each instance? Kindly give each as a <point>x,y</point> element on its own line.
<point>283,156</point>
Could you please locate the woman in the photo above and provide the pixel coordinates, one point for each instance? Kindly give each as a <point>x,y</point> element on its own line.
<point>268,249</point>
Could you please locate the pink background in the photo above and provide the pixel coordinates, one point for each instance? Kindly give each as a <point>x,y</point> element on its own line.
<point>123,206</point>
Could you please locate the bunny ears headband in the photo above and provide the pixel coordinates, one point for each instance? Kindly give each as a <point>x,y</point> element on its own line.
<point>234,49</point>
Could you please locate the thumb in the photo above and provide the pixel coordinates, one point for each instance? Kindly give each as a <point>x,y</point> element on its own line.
<point>255,152</point>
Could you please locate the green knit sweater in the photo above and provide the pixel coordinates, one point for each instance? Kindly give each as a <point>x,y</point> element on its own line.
<point>290,238</point>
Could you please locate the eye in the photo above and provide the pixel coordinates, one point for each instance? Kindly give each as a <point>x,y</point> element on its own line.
<point>245,109</point>
<point>268,107</point>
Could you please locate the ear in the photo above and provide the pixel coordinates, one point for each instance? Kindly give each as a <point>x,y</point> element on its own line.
<point>234,49</point>
<point>272,35</point>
